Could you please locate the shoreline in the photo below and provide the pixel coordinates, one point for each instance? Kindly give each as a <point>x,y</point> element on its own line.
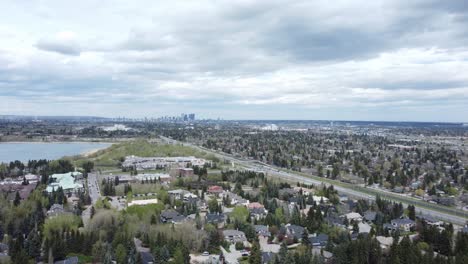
<point>88,153</point>
<point>57,142</point>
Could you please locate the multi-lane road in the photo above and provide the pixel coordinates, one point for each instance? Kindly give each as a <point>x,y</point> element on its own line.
<point>440,212</point>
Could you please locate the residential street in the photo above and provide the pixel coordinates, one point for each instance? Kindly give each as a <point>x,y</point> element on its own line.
<point>94,193</point>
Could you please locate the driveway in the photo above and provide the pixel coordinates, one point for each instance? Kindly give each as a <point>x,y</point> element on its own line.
<point>231,257</point>
<point>263,241</point>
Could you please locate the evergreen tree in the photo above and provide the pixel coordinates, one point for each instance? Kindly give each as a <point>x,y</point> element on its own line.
<point>305,238</point>
<point>17,200</point>
<point>255,254</point>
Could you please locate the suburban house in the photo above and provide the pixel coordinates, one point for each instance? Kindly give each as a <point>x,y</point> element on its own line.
<point>235,199</point>
<point>215,190</point>
<point>293,231</point>
<point>258,213</point>
<point>385,242</point>
<point>55,210</point>
<point>262,230</point>
<point>356,217</point>
<point>177,194</point>
<point>319,240</point>
<point>171,216</point>
<point>336,221</point>
<point>369,216</point>
<point>216,219</point>
<point>32,178</point>
<point>234,236</point>
<point>255,205</point>
<point>145,253</point>
<point>429,220</point>
<point>364,228</point>
<point>70,260</point>
<point>404,224</point>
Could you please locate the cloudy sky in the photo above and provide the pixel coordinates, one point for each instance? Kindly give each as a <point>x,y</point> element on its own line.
<point>349,60</point>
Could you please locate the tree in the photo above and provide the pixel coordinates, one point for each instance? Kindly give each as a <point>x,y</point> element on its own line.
<point>181,255</point>
<point>411,212</point>
<point>213,206</point>
<point>93,212</point>
<point>255,254</point>
<point>283,252</point>
<point>88,166</point>
<point>17,200</point>
<point>120,254</point>
<point>33,244</point>
<point>240,213</point>
<point>108,256</point>
<point>305,238</point>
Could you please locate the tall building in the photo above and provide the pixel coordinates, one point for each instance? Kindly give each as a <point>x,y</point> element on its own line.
<point>191,117</point>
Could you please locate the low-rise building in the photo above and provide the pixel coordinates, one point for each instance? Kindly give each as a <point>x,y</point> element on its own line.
<point>319,240</point>
<point>217,219</point>
<point>385,242</point>
<point>234,236</point>
<point>215,190</point>
<point>262,230</point>
<point>353,216</point>
<point>292,231</point>
<point>69,182</point>
<point>171,216</point>
<point>369,216</point>
<point>182,172</point>
<point>404,224</point>
<point>151,163</point>
<point>55,210</point>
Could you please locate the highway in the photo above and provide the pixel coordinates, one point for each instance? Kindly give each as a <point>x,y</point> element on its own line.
<point>443,213</point>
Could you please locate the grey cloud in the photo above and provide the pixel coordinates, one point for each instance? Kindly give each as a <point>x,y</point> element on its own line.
<point>63,48</point>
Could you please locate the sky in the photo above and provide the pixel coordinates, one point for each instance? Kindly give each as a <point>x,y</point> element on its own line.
<point>393,60</point>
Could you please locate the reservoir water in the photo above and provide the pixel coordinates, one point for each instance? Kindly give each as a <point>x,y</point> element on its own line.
<point>25,151</point>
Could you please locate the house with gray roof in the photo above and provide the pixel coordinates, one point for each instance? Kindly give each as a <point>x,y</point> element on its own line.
<point>171,216</point>
<point>234,236</point>
<point>370,216</point>
<point>319,240</point>
<point>293,231</point>
<point>55,210</point>
<point>262,230</point>
<point>217,219</point>
<point>404,224</point>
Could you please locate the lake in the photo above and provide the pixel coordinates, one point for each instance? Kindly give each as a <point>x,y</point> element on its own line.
<point>25,151</point>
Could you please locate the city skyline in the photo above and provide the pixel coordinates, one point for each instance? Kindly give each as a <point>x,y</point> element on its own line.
<point>385,60</point>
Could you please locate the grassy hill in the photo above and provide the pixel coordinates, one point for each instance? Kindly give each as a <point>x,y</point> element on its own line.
<point>112,156</point>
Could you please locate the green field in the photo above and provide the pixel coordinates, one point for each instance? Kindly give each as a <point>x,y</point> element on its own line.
<point>112,156</point>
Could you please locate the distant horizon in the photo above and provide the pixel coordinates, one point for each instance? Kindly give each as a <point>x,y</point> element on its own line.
<point>2,116</point>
